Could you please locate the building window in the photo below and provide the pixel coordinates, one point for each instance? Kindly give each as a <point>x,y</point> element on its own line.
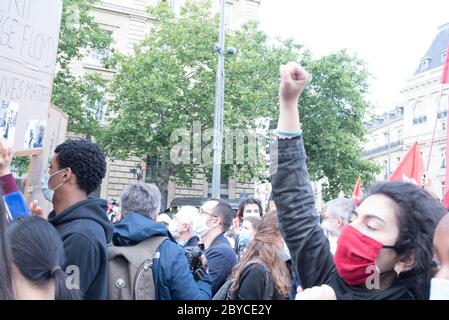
<point>443,56</point>
<point>399,132</point>
<point>442,112</point>
<point>97,109</point>
<point>443,158</point>
<point>419,113</point>
<point>425,63</point>
<point>171,3</point>
<point>152,170</point>
<point>96,56</point>
<point>387,137</point>
<point>224,190</point>
<point>443,125</point>
<point>442,189</point>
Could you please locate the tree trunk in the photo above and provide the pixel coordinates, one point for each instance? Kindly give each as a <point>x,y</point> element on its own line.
<point>163,187</point>
<point>166,170</point>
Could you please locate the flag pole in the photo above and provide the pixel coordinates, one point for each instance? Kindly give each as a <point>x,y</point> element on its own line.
<point>435,126</point>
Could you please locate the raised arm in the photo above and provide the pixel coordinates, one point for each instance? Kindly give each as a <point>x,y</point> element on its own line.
<point>292,191</point>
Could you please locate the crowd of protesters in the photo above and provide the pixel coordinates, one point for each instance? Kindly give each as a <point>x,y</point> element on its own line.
<point>393,245</point>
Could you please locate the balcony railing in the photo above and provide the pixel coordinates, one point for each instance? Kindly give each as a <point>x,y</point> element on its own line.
<point>382,148</point>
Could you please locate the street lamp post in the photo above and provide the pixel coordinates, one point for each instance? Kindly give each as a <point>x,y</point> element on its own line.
<point>219,107</point>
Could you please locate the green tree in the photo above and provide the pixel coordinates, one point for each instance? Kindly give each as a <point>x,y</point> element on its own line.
<point>79,35</point>
<point>332,111</point>
<point>168,83</point>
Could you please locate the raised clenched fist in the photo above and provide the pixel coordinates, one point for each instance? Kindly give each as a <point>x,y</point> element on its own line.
<point>294,79</point>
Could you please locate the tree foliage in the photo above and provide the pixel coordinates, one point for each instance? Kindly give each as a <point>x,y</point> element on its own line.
<point>79,35</point>
<point>168,83</point>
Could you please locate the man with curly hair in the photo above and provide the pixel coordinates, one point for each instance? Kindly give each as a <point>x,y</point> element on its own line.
<point>76,170</point>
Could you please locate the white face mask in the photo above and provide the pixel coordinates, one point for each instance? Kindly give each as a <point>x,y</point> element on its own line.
<point>200,225</point>
<point>439,289</point>
<point>251,214</point>
<point>172,229</point>
<point>46,191</point>
<point>329,228</point>
<point>55,188</point>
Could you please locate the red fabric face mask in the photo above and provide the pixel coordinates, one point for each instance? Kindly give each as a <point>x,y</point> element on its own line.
<point>356,254</point>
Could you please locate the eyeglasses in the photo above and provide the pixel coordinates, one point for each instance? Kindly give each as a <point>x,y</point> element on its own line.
<point>201,212</point>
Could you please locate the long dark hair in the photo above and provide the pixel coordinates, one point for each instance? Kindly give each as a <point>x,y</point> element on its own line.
<point>5,256</point>
<point>418,214</point>
<point>38,253</point>
<point>263,247</point>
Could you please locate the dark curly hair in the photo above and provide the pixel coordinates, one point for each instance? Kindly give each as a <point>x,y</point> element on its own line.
<point>418,215</point>
<point>85,159</point>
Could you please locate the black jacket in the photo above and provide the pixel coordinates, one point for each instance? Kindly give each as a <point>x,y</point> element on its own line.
<point>86,230</point>
<point>255,283</point>
<point>221,259</point>
<point>300,226</point>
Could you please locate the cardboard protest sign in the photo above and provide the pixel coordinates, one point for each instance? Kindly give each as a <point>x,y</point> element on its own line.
<point>29,35</point>
<point>56,134</point>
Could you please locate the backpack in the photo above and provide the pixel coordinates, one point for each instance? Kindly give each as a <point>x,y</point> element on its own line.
<point>130,272</point>
<point>224,292</point>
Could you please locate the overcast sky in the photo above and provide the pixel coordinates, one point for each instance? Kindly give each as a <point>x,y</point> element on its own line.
<point>390,35</point>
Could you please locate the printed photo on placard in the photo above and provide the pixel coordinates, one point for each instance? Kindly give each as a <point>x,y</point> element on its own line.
<point>34,136</point>
<point>8,120</point>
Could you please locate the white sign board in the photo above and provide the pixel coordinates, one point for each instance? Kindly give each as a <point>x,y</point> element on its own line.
<point>29,34</point>
<point>56,134</point>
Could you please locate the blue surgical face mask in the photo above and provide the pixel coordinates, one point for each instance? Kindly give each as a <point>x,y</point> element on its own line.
<point>244,238</point>
<point>439,289</point>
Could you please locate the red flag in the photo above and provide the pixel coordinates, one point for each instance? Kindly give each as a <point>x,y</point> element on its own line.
<point>411,168</point>
<point>357,193</point>
<point>445,76</point>
<point>446,179</point>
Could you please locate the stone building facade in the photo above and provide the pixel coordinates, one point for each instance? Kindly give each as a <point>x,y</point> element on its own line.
<point>392,134</point>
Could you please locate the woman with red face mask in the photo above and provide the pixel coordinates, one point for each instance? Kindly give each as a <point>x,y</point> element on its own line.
<point>385,252</point>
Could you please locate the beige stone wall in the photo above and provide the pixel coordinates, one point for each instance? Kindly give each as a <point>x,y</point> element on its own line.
<point>200,189</point>
<point>118,176</point>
